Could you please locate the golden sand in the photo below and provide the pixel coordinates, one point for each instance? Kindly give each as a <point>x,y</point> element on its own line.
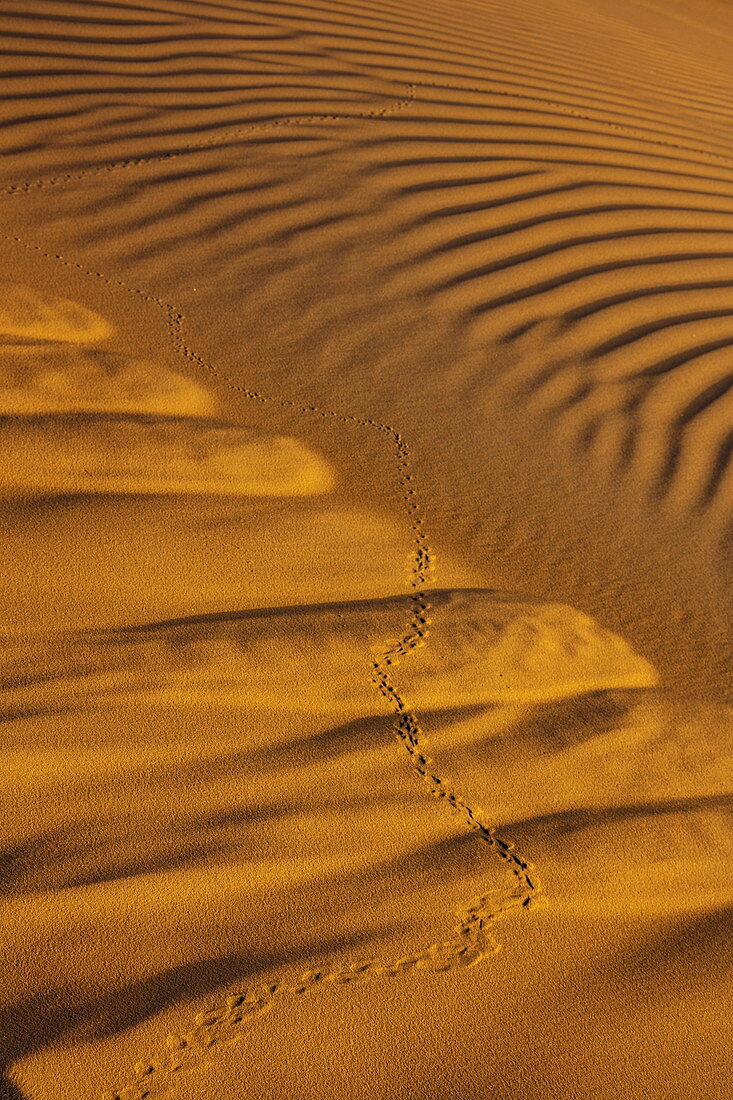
<point>367,506</point>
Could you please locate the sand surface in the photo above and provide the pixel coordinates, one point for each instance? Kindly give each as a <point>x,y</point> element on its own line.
<point>366,471</point>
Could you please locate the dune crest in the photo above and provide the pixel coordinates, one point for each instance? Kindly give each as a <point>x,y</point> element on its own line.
<point>486,648</point>
<point>41,379</point>
<point>29,314</point>
<point>59,454</point>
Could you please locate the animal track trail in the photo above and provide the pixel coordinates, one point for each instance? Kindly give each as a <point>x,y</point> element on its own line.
<point>471,940</point>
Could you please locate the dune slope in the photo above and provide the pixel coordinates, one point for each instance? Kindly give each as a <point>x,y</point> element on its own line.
<point>366,468</point>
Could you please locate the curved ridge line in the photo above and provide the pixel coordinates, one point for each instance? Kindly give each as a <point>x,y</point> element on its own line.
<point>219,139</point>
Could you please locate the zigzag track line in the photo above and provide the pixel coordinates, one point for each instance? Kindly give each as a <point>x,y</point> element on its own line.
<point>472,937</point>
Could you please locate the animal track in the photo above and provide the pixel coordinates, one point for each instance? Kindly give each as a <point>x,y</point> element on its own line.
<point>471,939</point>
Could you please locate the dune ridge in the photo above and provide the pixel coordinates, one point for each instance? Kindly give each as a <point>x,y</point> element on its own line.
<point>494,648</point>
<point>43,379</point>
<point>104,453</point>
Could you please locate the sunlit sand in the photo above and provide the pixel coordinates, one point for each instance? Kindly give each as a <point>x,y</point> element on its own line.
<point>366,467</point>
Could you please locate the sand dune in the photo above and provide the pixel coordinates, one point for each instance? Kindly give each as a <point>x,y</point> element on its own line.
<point>486,648</point>
<point>38,379</point>
<point>302,789</point>
<point>366,469</point>
<point>138,808</point>
<point>27,314</point>
<point>87,423</point>
<point>66,454</point>
<point>540,238</point>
